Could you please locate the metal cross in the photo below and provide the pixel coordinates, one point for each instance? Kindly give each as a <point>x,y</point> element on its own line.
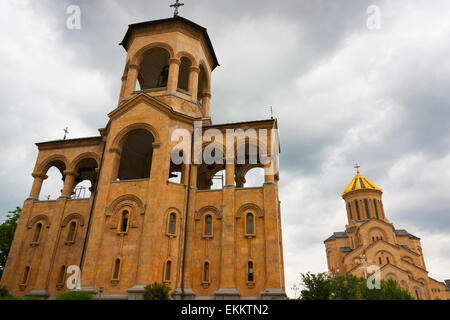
<point>176,5</point>
<point>271,112</point>
<point>357,168</point>
<point>66,131</point>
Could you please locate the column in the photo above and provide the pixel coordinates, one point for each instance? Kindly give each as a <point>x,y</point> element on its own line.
<point>206,99</point>
<point>174,69</point>
<point>69,184</point>
<point>229,174</point>
<point>37,185</point>
<point>193,82</point>
<point>132,76</point>
<point>269,176</point>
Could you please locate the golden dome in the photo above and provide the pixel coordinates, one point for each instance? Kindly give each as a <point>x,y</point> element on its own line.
<point>359,182</point>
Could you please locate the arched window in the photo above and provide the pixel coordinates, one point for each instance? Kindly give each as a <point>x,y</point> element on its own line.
<point>366,204</point>
<point>206,272</point>
<point>154,69</point>
<point>136,156</point>
<point>208,225</point>
<point>124,221</point>
<point>350,211</point>
<point>72,230</point>
<point>167,271</point>
<point>62,275</point>
<point>251,277</point>
<point>183,74</point>
<point>26,275</point>
<point>376,208</point>
<point>116,269</point>
<point>357,210</point>
<point>387,260</point>
<point>37,232</point>
<point>250,223</point>
<point>172,223</point>
<point>379,260</point>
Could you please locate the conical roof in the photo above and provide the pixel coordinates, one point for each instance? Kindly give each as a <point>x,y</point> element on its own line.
<point>359,182</point>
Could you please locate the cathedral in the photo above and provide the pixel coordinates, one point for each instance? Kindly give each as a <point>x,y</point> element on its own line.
<point>371,244</point>
<point>150,218</point>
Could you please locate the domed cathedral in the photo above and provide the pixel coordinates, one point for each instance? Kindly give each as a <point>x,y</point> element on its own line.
<point>370,243</point>
<point>196,227</point>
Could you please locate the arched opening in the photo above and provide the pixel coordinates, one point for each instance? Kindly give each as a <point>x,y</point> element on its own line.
<point>251,277</point>
<point>366,205</point>
<point>172,223</point>
<point>116,271</point>
<point>37,232</point>
<point>176,170</point>
<point>167,271</point>
<point>250,223</point>
<point>53,185</point>
<point>202,84</point>
<point>72,231</point>
<point>254,178</point>
<point>208,225</point>
<point>206,272</point>
<point>26,275</point>
<point>154,69</point>
<point>376,208</point>
<point>86,178</point>
<point>136,157</point>
<point>357,210</point>
<point>211,173</point>
<point>123,227</point>
<point>183,75</point>
<point>62,275</point>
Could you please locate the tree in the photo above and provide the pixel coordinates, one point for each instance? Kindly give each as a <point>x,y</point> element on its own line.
<point>156,291</point>
<point>75,295</point>
<point>7,230</point>
<point>349,287</point>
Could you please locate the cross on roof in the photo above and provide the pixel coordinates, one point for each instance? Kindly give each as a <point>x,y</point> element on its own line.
<point>176,5</point>
<point>357,168</point>
<point>66,131</point>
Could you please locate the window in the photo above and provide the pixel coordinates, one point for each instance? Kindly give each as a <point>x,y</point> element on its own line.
<point>167,271</point>
<point>250,226</point>
<point>206,272</point>
<point>208,225</point>
<point>72,230</point>
<point>379,260</point>
<point>26,274</point>
<point>366,204</point>
<point>250,272</point>
<point>387,260</point>
<point>357,210</point>
<point>124,221</point>
<point>172,222</point>
<point>373,239</point>
<point>37,232</point>
<point>116,269</point>
<point>376,208</point>
<point>350,210</point>
<point>62,275</point>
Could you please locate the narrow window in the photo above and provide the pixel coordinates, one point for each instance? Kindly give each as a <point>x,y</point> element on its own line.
<point>350,211</point>
<point>72,229</point>
<point>366,204</point>
<point>26,273</point>
<point>116,269</point>
<point>250,272</point>
<point>62,275</point>
<point>172,221</point>
<point>417,294</point>
<point>387,259</point>
<point>380,261</point>
<point>357,210</point>
<point>376,208</point>
<point>37,232</point>
<point>206,272</point>
<point>124,223</point>
<point>167,273</point>
<point>250,229</point>
<point>373,239</point>
<point>208,225</point>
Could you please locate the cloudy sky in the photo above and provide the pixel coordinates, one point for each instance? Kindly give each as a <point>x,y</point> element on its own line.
<point>342,93</point>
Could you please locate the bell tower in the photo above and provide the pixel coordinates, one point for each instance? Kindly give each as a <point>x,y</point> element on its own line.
<point>172,60</point>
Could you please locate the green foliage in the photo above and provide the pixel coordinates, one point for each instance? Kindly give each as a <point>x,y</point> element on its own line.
<point>156,291</point>
<point>7,230</point>
<point>75,295</point>
<point>4,293</point>
<point>348,287</point>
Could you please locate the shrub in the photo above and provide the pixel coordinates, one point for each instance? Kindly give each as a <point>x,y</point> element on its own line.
<point>75,295</point>
<point>156,291</point>
<point>4,293</point>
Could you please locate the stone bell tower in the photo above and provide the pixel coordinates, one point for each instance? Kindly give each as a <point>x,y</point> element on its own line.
<point>148,218</point>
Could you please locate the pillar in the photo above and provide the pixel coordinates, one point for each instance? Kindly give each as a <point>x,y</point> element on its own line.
<point>229,174</point>
<point>206,99</point>
<point>193,82</point>
<point>269,176</point>
<point>37,185</point>
<point>174,70</point>
<point>130,84</point>
<point>69,184</point>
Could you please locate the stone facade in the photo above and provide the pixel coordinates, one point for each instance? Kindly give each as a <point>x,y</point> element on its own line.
<point>139,226</point>
<point>371,243</point>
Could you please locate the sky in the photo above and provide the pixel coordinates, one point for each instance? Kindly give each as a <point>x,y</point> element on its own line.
<point>345,88</point>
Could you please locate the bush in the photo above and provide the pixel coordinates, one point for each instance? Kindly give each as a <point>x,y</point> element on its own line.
<point>75,295</point>
<point>4,293</point>
<point>156,291</point>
